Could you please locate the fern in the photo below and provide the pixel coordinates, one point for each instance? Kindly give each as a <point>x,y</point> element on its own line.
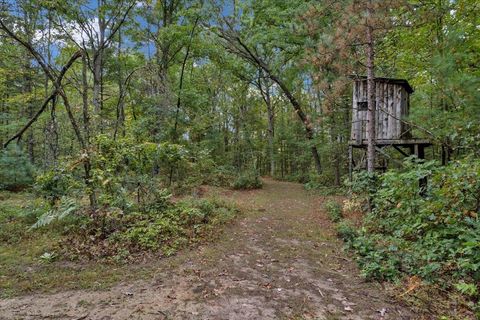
<point>65,208</point>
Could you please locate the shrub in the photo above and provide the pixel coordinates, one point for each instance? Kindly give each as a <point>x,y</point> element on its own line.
<point>346,231</point>
<point>432,233</point>
<point>363,182</point>
<point>376,262</point>
<point>64,209</point>
<point>161,226</point>
<point>16,171</point>
<point>247,181</point>
<point>334,210</point>
<point>352,205</point>
<point>54,184</point>
<point>221,176</point>
<point>301,177</point>
<point>174,226</point>
<point>316,181</point>
<point>123,166</point>
<point>324,184</point>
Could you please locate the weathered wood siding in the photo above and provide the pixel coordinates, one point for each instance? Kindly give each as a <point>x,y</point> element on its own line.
<point>392,102</point>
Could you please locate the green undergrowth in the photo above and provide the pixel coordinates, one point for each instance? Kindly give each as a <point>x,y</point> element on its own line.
<point>334,210</point>
<point>429,232</point>
<point>316,184</point>
<point>247,180</point>
<point>45,247</point>
<point>325,190</point>
<point>16,171</point>
<point>161,228</point>
<point>323,184</point>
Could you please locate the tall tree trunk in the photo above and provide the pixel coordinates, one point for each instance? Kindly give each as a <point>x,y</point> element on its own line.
<point>293,101</point>
<point>246,53</point>
<point>120,122</point>
<point>4,120</point>
<point>303,117</point>
<point>162,59</point>
<point>370,92</point>
<point>28,90</point>
<point>52,125</point>
<point>335,156</point>
<point>225,130</point>
<point>271,138</point>
<point>56,79</point>
<point>180,86</point>
<point>98,67</point>
<point>97,80</point>
<point>28,86</point>
<point>236,142</point>
<point>265,92</point>
<point>87,134</point>
<point>54,143</point>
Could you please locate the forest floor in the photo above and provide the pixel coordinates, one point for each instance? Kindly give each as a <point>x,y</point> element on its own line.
<point>279,260</point>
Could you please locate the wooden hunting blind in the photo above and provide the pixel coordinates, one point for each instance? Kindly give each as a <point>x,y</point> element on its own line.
<point>392,106</point>
<point>392,97</point>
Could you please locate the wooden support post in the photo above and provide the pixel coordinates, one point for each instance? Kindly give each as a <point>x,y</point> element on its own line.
<point>421,152</point>
<point>350,163</point>
<point>422,183</point>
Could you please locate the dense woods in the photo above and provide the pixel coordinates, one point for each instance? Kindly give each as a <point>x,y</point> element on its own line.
<point>110,109</point>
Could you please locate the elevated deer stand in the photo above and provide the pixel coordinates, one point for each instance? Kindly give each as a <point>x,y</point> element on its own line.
<point>392,97</point>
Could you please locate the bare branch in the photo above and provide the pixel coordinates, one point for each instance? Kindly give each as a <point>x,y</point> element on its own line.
<point>19,134</point>
<point>51,97</point>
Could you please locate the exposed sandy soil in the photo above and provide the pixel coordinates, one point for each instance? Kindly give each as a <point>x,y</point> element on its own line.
<point>279,260</point>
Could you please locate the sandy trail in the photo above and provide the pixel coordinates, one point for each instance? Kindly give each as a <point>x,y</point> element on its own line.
<point>279,260</point>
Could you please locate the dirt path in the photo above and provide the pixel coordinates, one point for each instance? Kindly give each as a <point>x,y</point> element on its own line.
<point>278,261</point>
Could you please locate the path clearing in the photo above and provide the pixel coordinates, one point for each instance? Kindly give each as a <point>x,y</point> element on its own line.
<point>280,260</point>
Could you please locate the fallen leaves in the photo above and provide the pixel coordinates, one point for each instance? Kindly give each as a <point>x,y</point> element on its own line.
<point>412,283</point>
